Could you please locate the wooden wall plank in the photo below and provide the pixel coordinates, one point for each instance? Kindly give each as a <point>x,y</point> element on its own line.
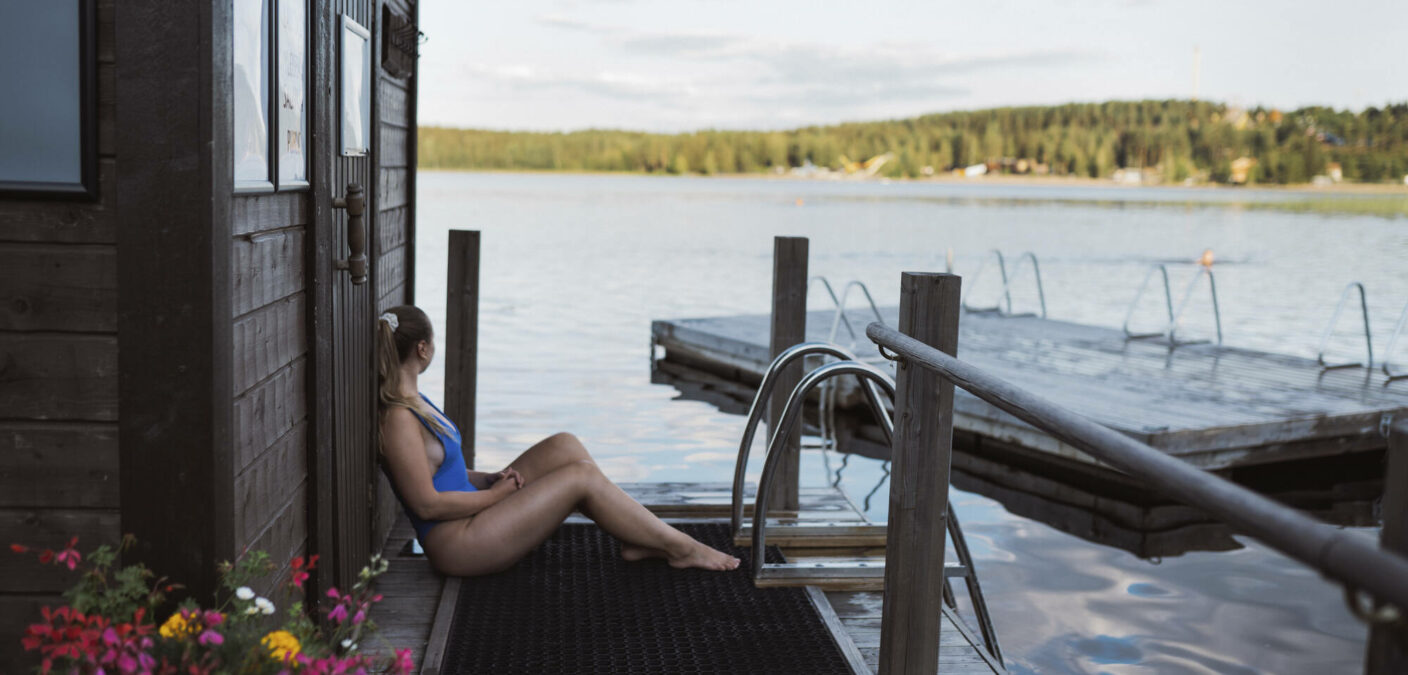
<point>268,339</point>
<point>263,486</point>
<point>64,222</point>
<point>44,464</point>
<point>393,189</point>
<point>391,228</point>
<point>107,110</point>
<point>393,146</point>
<point>395,296</point>
<point>263,212</point>
<point>55,376</point>
<point>266,267</point>
<point>390,270</point>
<point>285,536</point>
<point>58,287</point>
<point>393,102</point>
<point>50,528</point>
<point>268,411</point>
<point>106,32</point>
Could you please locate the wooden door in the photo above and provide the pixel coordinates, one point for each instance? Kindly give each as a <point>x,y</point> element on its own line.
<point>344,379</point>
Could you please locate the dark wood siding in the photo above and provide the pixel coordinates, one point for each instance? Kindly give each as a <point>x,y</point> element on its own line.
<point>394,219</point>
<point>58,377</point>
<point>269,302</point>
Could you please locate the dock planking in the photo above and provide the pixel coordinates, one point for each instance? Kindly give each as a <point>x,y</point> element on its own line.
<point>408,616</point>
<point>1216,407</point>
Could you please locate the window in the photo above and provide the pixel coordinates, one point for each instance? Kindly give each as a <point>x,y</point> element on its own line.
<point>48,120</point>
<point>270,94</point>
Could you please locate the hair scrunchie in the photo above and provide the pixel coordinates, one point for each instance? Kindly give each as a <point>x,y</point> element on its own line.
<point>391,320</point>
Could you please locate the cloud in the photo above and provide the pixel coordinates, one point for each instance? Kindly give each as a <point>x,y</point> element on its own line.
<point>821,74</point>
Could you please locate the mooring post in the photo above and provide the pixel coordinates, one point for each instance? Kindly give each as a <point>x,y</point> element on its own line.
<point>920,460</point>
<point>789,327</point>
<point>1388,643</point>
<point>462,335</point>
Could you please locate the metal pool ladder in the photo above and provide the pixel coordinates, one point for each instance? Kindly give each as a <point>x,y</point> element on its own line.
<point>1175,315</point>
<point>1006,299</point>
<point>875,383</point>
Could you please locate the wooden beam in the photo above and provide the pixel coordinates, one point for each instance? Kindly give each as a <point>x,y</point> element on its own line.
<point>923,449</point>
<point>462,336</point>
<point>789,327</point>
<point>173,267</point>
<point>1388,645</point>
<point>434,658</point>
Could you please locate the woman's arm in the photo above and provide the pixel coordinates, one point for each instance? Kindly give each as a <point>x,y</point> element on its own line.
<point>404,450</point>
<point>483,480</point>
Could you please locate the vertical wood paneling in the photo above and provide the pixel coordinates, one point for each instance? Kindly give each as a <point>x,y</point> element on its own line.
<point>268,411</point>
<point>265,268</point>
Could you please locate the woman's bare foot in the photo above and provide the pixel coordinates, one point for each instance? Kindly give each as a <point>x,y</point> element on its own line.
<point>632,553</point>
<point>705,558</point>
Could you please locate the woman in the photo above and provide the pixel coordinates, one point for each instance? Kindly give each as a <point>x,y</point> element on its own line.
<point>471,522</point>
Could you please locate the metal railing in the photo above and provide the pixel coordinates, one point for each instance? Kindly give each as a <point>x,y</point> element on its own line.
<point>1335,319</point>
<point>1004,304</point>
<point>1175,314</point>
<point>1393,342</point>
<point>922,451</point>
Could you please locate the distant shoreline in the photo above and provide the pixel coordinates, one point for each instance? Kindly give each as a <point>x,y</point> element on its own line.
<point>1384,189</point>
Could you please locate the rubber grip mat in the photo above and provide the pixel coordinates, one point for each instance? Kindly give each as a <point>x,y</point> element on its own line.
<point>573,606</point>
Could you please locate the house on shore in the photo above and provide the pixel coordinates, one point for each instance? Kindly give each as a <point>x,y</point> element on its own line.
<point>203,206</point>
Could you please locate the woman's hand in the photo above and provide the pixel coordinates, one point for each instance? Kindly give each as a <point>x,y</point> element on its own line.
<point>509,474</point>
<point>503,485</point>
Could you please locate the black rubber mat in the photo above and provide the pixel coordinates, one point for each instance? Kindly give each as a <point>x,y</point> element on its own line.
<point>573,606</point>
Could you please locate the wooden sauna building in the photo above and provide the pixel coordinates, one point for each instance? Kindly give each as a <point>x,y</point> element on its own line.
<point>203,206</point>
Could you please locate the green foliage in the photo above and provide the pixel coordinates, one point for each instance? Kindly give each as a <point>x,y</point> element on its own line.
<point>1177,139</point>
<point>119,593</point>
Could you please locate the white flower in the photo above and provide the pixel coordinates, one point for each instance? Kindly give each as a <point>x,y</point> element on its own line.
<point>349,645</point>
<point>251,610</point>
<point>264,605</point>
<point>244,592</point>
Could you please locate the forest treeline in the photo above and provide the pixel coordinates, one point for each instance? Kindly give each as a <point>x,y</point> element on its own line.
<point>1175,140</point>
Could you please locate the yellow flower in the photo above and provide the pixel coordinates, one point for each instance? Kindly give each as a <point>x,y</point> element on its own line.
<point>177,627</point>
<point>282,645</point>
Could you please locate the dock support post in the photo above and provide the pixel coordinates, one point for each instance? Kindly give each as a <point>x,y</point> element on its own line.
<point>1388,643</point>
<point>789,327</point>
<point>462,335</point>
<point>921,458</point>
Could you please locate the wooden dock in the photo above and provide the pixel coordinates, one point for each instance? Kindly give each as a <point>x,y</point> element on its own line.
<point>419,602</point>
<point>1216,407</point>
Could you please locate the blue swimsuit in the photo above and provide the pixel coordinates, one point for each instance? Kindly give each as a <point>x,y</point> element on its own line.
<point>450,477</point>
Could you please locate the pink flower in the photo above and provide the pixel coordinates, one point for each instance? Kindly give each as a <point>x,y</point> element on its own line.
<point>210,637</point>
<point>404,663</point>
<point>359,617</point>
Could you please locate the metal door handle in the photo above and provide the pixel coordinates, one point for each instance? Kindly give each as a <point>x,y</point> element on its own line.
<point>356,205</point>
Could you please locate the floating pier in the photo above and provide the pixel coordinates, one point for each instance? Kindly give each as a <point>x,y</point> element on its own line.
<point>1216,407</point>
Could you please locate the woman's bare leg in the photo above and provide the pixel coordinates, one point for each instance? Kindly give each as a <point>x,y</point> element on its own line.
<point>548,454</point>
<point>561,449</point>
<point>502,534</point>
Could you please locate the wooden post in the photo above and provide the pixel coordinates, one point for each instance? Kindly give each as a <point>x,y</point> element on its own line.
<point>923,449</point>
<point>462,335</point>
<point>1388,644</point>
<point>789,327</point>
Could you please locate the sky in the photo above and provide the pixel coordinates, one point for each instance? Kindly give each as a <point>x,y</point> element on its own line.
<point>682,65</point>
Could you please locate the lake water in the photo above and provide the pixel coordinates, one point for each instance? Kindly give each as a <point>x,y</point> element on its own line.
<point>575,268</point>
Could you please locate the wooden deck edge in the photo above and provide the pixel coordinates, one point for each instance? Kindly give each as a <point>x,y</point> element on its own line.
<point>838,631</point>
<point>972,639</point>
<point>440,630</point>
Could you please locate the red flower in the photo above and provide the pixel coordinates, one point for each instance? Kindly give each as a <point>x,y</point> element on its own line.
<point>19,548</point>
<point>46,556</point>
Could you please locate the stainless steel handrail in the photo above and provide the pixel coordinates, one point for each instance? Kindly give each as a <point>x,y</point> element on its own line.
<point>1173,323</point>
<point>760,399</point>
<point>1175,314</point>
<point>1036,271</point>
<point>1348,558</point>
<point>1006,294</point>
<point>834,301</point>
<point>790,413</point>
<point>841,310</point>
<point>874,377</point>
<point>1335,319</point>
<point>1393,342</point>
<point>1143,286</point>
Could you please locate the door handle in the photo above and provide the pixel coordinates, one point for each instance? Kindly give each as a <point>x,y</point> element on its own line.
<point>356,205</point>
